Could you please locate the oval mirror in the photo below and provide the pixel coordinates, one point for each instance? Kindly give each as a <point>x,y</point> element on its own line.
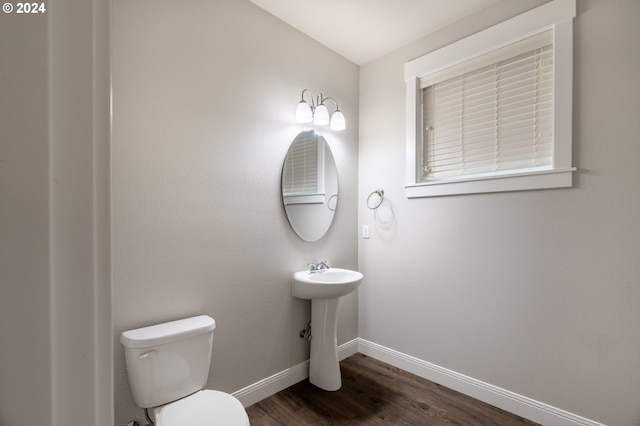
<point>309,186</point>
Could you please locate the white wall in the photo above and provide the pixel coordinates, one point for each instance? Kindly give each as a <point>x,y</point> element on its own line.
<point>535,292</point>
<point>55,306</point>
<point>204,96</point>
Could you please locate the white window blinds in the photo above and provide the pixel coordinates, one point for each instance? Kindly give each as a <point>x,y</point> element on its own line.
<point>495,118</point>
<point>300,174</point>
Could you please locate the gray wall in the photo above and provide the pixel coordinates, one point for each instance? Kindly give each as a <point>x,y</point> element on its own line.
<point>204,97</point>
<point>24,222</point>
<point>55,304</point>
<point>535,292</point>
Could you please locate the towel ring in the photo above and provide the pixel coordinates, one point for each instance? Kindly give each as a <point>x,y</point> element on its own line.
<point>329,203</point>
<point>380,193</point>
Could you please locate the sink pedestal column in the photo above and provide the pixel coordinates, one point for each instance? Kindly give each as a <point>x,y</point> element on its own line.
<point>324,369</point>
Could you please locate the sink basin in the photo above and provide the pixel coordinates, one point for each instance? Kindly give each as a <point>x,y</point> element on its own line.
<point>326,284</point>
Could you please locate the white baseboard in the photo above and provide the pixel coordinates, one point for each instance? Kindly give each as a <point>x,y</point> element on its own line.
<point>522,406</point>
<point>347,349</point>
<point>282,380</point>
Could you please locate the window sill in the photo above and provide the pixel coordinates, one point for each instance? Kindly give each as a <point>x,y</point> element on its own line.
<point>557,178</point>
<point>292,199</point>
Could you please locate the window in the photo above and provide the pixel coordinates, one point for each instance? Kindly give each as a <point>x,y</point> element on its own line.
<point>303,172</point>
<point>492,112</point>
<point>495,118</point>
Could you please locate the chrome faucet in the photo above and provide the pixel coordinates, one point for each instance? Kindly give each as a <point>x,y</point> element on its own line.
<point>318,266</point>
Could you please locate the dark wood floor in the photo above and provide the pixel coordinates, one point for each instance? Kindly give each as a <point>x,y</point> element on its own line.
<point>375,393</point>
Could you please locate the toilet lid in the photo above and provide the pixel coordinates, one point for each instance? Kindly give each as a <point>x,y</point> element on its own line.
<point>206,408</point>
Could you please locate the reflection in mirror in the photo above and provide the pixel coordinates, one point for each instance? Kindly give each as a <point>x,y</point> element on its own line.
<point>309,186</point>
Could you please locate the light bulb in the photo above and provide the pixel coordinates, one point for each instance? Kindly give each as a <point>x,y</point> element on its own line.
<point>321,115</point>
<point>337,121</point>
<point>304,113</point>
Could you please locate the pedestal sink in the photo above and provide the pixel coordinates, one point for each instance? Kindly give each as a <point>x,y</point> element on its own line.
<point>324,288</point>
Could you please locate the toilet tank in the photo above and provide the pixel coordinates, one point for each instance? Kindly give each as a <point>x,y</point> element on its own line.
<point>168,361</point>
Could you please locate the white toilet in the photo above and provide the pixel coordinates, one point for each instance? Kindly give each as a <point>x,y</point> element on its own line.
<point>168,365</point>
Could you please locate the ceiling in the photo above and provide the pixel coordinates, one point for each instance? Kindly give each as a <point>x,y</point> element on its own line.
<point>364,30</point>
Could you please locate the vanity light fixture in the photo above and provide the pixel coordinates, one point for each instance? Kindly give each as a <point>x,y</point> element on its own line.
<point>318,112</point>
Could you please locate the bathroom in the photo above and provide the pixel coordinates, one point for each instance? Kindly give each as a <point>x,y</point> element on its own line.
<point>534,292</point>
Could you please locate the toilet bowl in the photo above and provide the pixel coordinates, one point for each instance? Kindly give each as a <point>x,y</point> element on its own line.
<point>168,366</point>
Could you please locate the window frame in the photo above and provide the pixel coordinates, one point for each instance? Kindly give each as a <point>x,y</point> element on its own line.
<point>557,16</point>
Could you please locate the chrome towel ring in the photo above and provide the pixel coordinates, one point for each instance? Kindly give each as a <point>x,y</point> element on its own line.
<point>335,205</point>
<point>374,204</point>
